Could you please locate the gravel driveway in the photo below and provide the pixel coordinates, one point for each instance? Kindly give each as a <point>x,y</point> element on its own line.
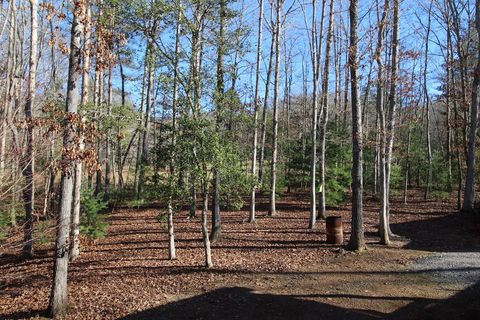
<point>461,269</point>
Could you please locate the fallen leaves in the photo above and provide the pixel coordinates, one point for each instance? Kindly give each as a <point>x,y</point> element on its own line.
<point>129,270</point>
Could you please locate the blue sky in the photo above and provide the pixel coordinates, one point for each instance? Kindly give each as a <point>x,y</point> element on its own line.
<point>412,35</point>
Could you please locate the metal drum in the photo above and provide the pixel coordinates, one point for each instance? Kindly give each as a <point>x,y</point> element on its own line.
<point>334,230</point>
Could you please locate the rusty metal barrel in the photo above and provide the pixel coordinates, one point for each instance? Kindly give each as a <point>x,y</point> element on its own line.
<point>334,230</point>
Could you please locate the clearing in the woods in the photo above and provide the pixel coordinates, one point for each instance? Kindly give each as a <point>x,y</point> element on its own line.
<point>275,268</point>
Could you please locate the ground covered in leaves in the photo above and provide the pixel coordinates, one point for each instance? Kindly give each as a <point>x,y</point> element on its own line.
<point>275,268</point>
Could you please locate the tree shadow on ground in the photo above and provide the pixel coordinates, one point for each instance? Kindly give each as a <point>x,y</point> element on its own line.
<point>456,232</point>
<point>244,303</point>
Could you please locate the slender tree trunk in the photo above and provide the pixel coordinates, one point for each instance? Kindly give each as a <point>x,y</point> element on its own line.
<point>357,240</point>
<point>407,169</point>
<point>193,198</point>
<point>273,177</point>
<point>171,234</point>
<point>392,105</point>
<point>456,138</point>
<point>427,105</point>
<point>119,165</point>
<point>29,159</point>
<point>261,165</point>
<point>206,240</point>
<point>99,102</point>
<point>315,46</point>
<point>448,120</point>
<point>469,196</point>
<point>255,114</point>
<point>220,96</point>
<point>146,121</point>
<point>59,298</point>
<point>383,229</point>
<point>324,118</point>
<point>146,72</point>
<point>376,164</point>
<point>75,242</point>
<point>9,85</point>
<point>462,58</point>
<point>106,196</point>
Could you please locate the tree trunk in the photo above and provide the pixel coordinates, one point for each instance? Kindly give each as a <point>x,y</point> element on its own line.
<point>357,240</point>
<point>273,178</point>
<point>143,102</point>
<point>469,196</point>
<point>206,240</point>
<point>9,85</point>
<point>324,118</point>
<point>261,166</point>
<point>383,229</point>
<point>59,297</point>
<point>392,106</point>
<point>146,121</point>
<point>220,97</point>
<point>171,234</point>
<point>106,196</point>
<point>29,158</point>
<point>75,242</point>
<point>256,102</point>
<point>121,181</point>
<point>427,104</point>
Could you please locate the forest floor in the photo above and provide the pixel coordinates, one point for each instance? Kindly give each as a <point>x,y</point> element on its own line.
<point>273,269</point>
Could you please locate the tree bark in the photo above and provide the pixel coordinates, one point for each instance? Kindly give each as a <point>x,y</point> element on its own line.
<point>273,177</point>
<point>383,229</point>
<point>357,240</point>
<point>171,234</point>
<point>392,100</point>
<point>261,165</point>
<point>427,105</point>
<point>206,240</point>
<point>469,195</point>
<point>29,158</point>
<point>220,97</point>
<point>324,118</point>
<point>59,294</point>
<point>255,115</point>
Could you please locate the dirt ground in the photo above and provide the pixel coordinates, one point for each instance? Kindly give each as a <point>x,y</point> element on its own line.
<point>273,269</point>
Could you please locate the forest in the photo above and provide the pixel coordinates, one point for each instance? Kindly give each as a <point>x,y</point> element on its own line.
<point>239,159</point>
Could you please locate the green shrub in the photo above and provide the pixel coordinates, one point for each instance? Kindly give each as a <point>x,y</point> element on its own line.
<point>440,195</point>
<point>4,225</point>
<point>92,222</point>
<point>338,181</point>
<point>44,232</point>
<point>397,178</point>
<point>162,219</point>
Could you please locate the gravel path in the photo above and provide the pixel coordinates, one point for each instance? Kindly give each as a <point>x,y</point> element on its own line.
<point>461,269</point>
